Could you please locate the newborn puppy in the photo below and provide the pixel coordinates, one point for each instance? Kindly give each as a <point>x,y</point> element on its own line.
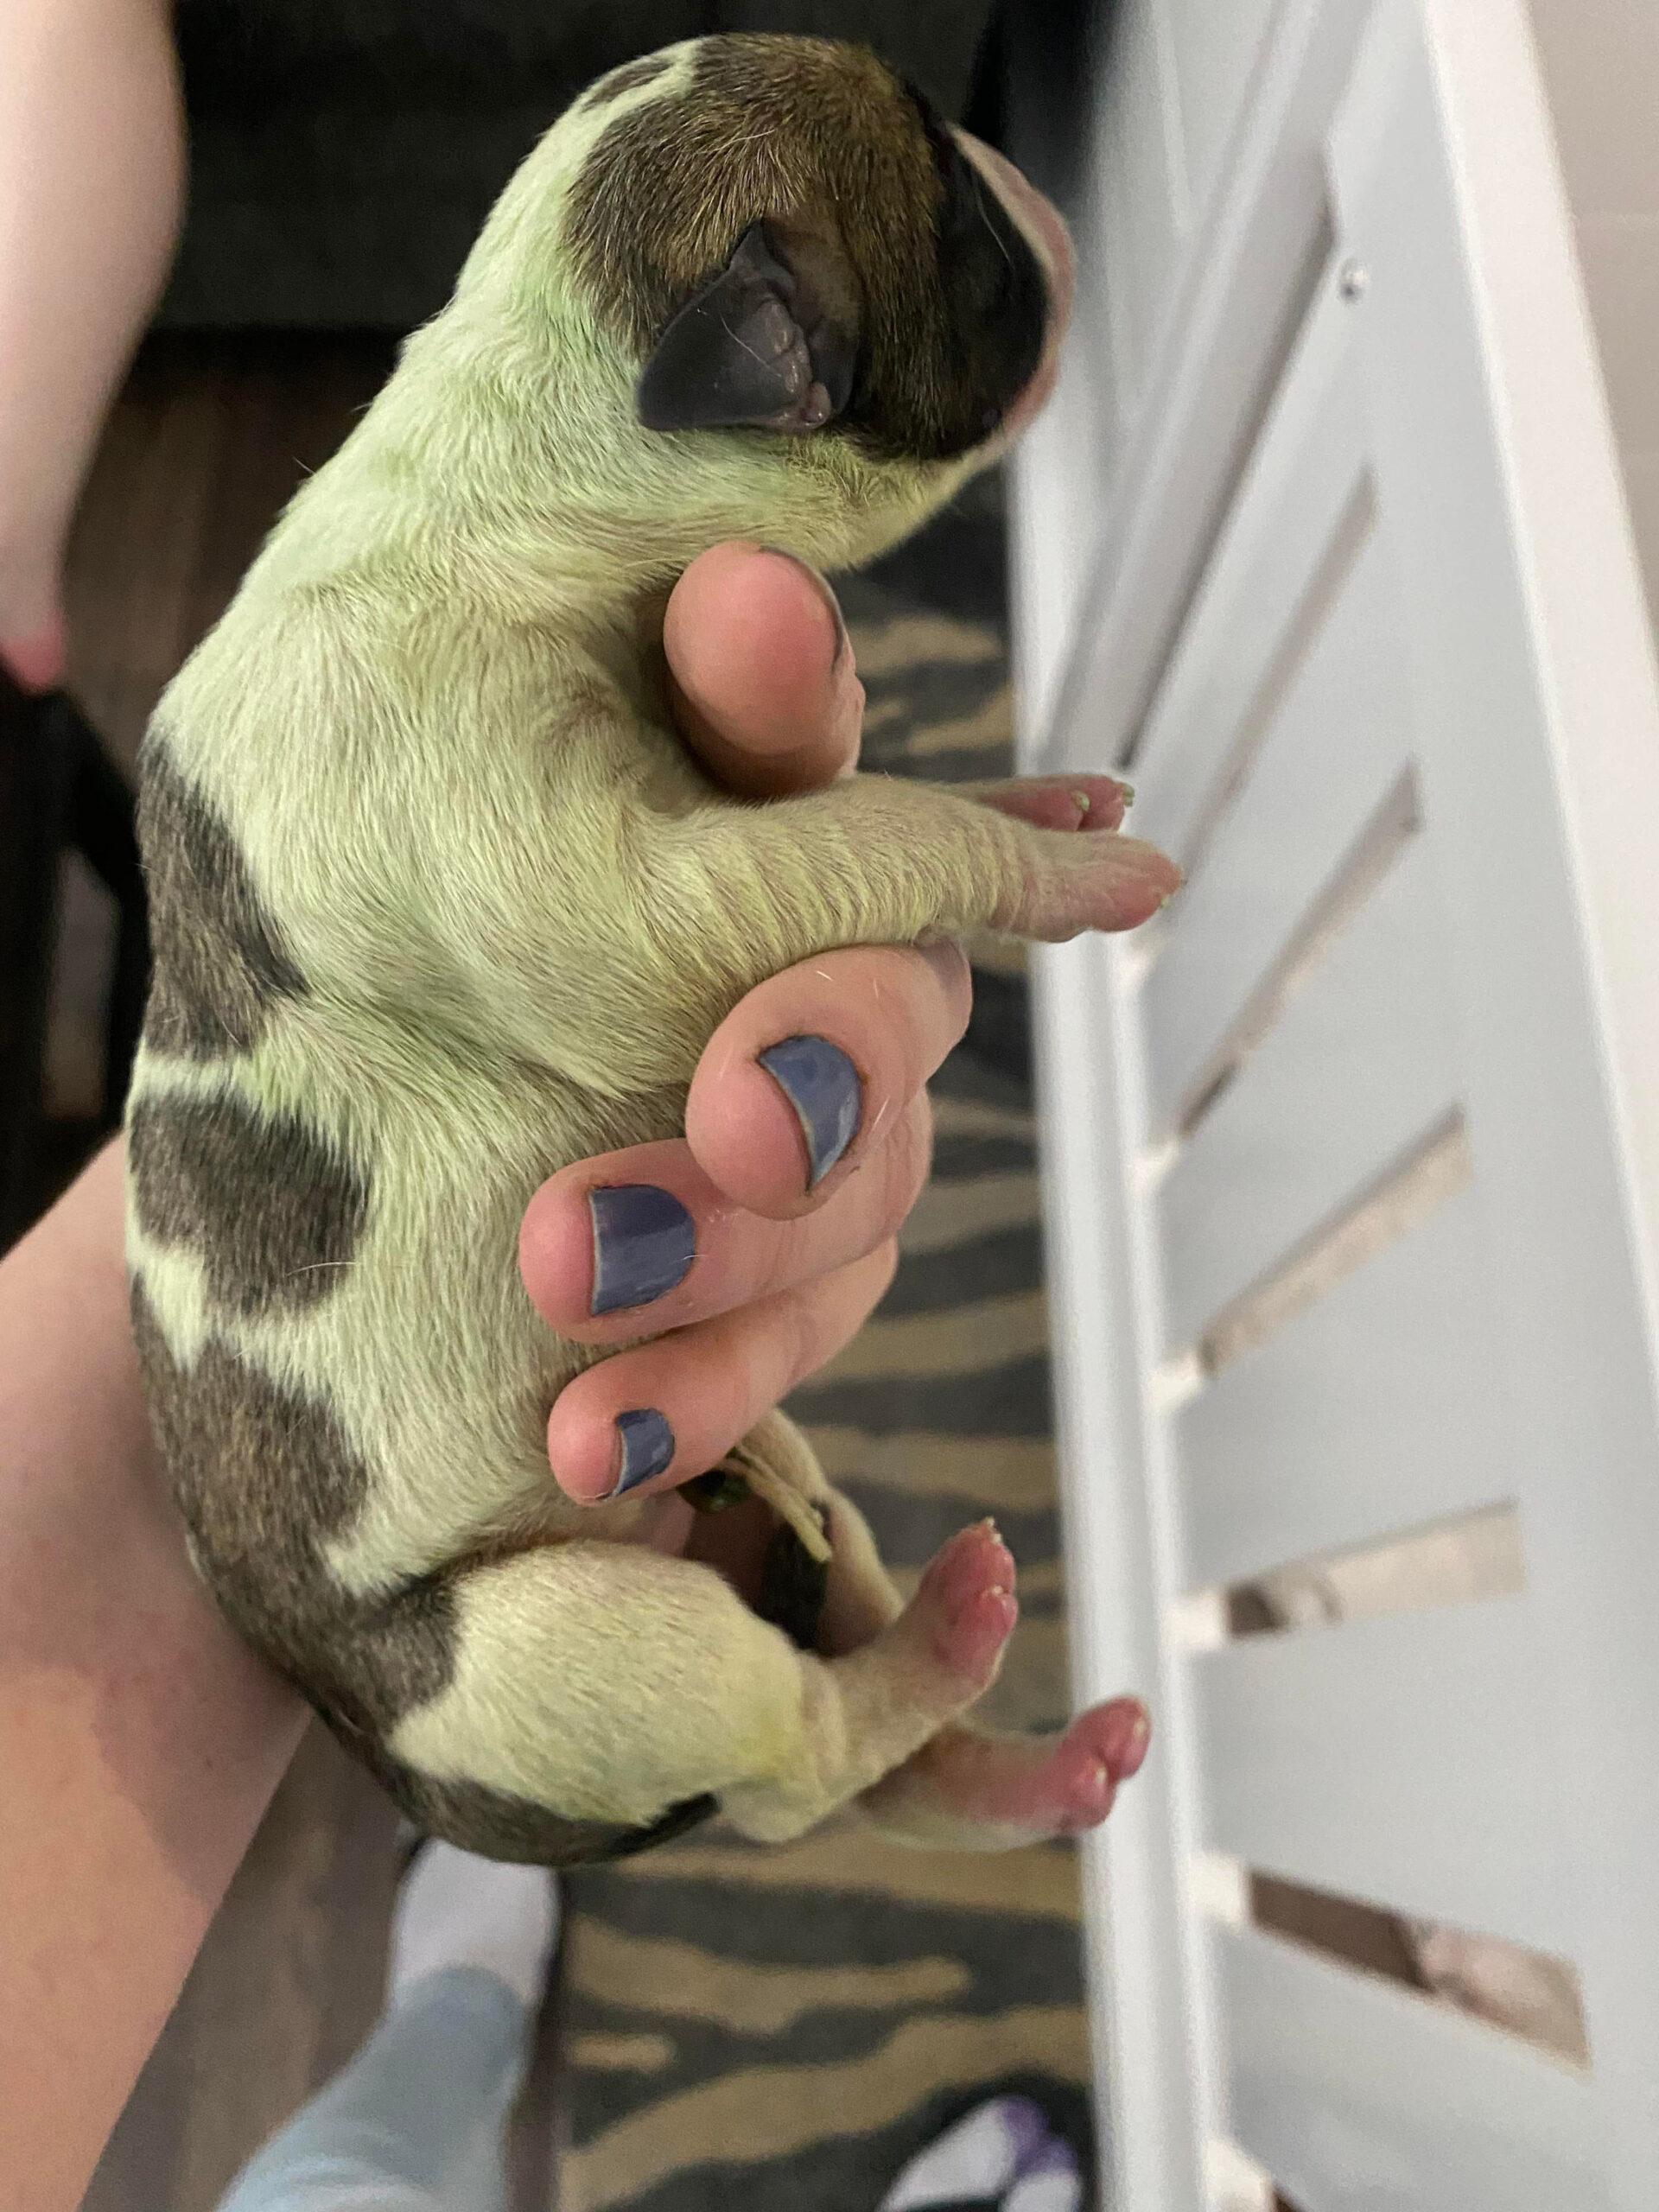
<point>442,904</point>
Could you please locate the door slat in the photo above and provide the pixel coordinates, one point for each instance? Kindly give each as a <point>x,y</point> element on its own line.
<point>1345,1758</point>
<point>1376,1412</point>
<point>1341,738</point>
<point>1303,482</point>
<point>1359,2097</point>
<point>1360,1067</point>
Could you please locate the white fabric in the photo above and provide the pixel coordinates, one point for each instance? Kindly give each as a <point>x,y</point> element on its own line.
<point>457,1911</point>
<point>1055,2192</point>
<point>979,2157</point>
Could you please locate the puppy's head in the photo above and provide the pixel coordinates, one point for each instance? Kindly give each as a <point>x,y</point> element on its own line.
<point>798,279</point>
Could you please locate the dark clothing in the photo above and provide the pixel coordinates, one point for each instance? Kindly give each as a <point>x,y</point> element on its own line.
<point>345,152</point>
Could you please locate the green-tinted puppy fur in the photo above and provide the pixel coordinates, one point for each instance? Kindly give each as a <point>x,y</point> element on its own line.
<point>442,904</point>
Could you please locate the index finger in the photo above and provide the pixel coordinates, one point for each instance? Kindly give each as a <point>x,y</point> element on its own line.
<point>761,674</point>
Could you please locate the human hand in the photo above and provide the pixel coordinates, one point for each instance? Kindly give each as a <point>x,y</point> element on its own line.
<point>754,1248</point>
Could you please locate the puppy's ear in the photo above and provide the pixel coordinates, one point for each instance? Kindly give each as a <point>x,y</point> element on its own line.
<point>750,351</point>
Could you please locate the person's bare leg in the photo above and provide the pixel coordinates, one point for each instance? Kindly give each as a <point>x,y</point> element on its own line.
<point>92,164</point>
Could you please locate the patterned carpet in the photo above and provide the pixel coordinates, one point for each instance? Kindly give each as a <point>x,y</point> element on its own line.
<point>744,2029</point>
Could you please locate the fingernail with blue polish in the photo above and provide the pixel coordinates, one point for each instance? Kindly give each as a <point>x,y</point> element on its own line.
<point>647,1447</point>
<point>644,1243</point>
<point>821,1085</point>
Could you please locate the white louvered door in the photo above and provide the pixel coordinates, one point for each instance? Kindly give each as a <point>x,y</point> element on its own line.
<point>1353,1176</point>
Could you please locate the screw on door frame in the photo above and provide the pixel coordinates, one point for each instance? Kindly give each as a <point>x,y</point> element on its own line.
<point>1352,279</point>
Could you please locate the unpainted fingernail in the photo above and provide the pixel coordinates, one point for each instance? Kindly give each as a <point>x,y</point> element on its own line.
<point>945,957</point>
<point>821,1085</point>
<point>643,1243</point>
<point>645,1448</point>
<point>826,594</point>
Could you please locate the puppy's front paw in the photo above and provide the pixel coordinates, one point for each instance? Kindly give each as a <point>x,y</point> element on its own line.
<point>1057,802</point>
<point>1098,880</point>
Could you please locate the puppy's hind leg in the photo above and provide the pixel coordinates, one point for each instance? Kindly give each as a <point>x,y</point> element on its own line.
<point>970,1788</point>
<point>611,1686</point>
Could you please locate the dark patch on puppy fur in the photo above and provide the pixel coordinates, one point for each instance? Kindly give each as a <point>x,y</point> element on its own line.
<point>860,186</point>
<point>221,964</point>
<point>996,296</point>
<point>266,1203</point>
<point>501,1826</point>
<point>263,1477</point>
<point>628,78</point>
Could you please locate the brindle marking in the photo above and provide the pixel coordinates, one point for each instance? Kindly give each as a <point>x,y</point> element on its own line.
<point>628,78</point>
<point>950,328</point>
<point>267,1203</point>
<point>220,963</point>
<point>500,1826</point>
<point>263,1477</point>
